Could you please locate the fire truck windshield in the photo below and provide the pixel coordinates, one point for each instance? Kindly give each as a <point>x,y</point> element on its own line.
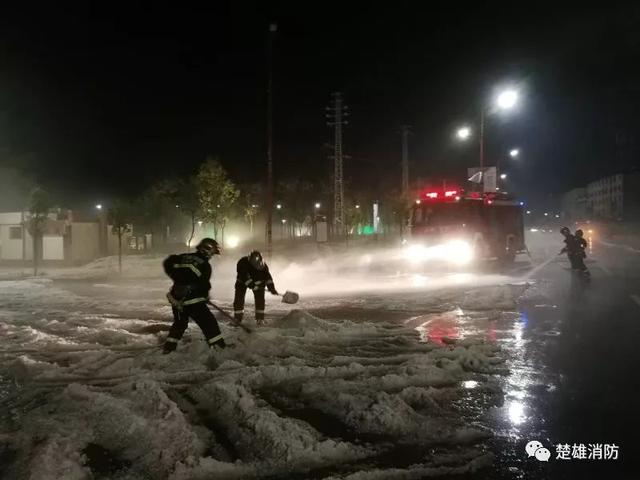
<point>437,214</point>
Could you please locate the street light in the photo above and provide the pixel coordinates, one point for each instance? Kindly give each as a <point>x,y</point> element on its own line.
<point>463,133</point>
<point>504,100</point>
<point>357,206</point>
<point>317,205</point>
<point>278,206</point>
<point>514,153</point>
<point>503,176</point>
<point>99,206</point>
<point>507,99</point>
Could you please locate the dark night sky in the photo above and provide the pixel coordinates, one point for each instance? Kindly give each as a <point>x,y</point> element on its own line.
<point>101,101</point>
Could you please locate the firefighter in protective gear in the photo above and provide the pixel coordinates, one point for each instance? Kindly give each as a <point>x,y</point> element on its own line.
<point>574,250</point>
<point>581,252</point>
<point>582,243</point>
<point>191,275</point>
<point>253,274</point>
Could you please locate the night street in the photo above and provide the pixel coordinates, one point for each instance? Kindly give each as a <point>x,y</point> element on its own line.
<point>319,241</point>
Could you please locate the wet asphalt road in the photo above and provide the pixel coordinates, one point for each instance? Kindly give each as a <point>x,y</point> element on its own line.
<point>573,351</point>
<point>575,379</point>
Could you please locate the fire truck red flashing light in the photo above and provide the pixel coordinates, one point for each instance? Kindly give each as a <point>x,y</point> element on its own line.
<point>444,196</point>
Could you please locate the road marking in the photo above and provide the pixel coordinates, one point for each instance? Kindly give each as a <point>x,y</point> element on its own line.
<point>635,298</point>
<point>605,270</point>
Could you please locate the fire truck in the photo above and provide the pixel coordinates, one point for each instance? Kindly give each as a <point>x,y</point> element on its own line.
<point>452,226</point>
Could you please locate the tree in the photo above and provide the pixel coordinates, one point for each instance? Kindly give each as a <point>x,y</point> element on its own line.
<point>120,216</point>
<point>39,205</point>
<point>217,195</point>
<point>353,217</point>
<point>298,198</point>
<point>156,207</point>
<point>188,200</point>
<point>252,196</point>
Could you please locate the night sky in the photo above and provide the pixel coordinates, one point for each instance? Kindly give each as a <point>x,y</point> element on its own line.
<point>99,101</point>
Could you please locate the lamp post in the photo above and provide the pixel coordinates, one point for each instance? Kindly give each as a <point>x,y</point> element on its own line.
<point>505,100</point>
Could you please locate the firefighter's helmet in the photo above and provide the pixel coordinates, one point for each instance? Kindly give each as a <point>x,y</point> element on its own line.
<point>256,261</point>
<point>209,247</point>
<point>579,233</point>
<point>565,231</point>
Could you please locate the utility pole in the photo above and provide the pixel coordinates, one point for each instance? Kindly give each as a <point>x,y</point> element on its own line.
<point>335,113</point>
<point>482,142</point>
<point>406,131</point>
<point>273,28</point>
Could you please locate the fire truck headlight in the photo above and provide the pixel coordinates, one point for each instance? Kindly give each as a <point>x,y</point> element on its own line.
<point>416,253</point>
<point>459,252</point>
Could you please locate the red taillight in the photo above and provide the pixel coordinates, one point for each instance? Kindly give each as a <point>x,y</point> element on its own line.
<point>432,195</point>
<point>450,193</point>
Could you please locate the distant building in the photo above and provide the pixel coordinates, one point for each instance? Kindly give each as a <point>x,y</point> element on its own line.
<point>64,241</point>
<point>575,205</point>
<point>616,197</point>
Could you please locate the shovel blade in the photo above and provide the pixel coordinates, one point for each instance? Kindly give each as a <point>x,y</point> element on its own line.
<point>290,297</point>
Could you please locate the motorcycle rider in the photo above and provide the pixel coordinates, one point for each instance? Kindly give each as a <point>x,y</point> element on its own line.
<point>191,275</point>
<point>253,273</point>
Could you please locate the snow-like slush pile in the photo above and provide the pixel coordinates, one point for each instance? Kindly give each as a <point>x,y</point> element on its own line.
<point>163,416</point>
<point>301,394</point>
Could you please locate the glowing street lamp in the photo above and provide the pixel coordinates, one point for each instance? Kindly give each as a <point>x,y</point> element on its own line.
<point>279,206</point>
<point>507,99</point>
<point>463,133</point>
<point>99,206</point>
<point>503,176</point>
<point>317,205</point>
<point>514,153</point>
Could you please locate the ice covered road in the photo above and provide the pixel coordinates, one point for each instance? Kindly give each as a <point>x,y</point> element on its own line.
<point>373,377</point>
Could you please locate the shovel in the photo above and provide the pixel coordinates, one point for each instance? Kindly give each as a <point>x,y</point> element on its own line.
<point>233,320</point>
<point>290,297</point>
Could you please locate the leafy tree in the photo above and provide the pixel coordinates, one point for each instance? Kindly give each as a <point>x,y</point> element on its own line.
<point>252,197</point>
<point>298,199</point>
<point>353,217</point>
<point>217,195</point>
<point>39,205</point>
<point>156,207</point>
<point>188,200</point>
<point>120,217</point>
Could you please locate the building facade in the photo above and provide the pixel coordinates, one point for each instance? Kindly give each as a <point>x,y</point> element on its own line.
<point>64,240</point>
<point>575,205</point>
<point>616,197</point>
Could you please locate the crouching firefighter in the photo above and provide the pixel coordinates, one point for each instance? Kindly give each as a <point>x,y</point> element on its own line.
<point>191,275</point>
<point>253,274</point>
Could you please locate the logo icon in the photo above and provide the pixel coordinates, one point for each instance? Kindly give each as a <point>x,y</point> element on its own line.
<point>535,449</point>
<point>543,454</point>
